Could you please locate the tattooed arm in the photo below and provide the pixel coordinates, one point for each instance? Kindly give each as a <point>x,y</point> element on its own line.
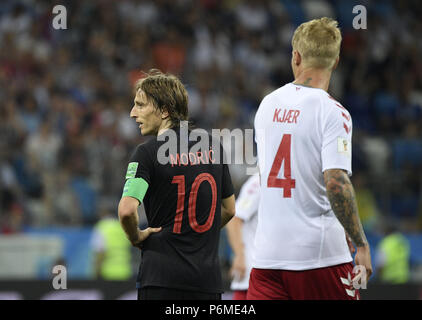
<point>341,194</point>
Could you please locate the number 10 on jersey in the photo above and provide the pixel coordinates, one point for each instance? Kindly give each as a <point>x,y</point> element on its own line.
<point>283,154</point>
<point>180,181</point>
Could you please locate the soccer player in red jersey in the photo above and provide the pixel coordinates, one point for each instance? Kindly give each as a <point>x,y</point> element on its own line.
<point>307,202</point>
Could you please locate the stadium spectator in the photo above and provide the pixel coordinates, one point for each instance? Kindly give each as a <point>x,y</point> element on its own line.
<point>393,257</point>
<point>112,251</point>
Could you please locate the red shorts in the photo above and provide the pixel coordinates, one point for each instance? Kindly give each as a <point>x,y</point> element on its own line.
<point>239,294</point>
<point>330,283</point>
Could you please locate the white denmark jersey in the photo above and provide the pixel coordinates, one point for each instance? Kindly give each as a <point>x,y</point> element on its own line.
<point>247,210</point>
<point>300,133</point>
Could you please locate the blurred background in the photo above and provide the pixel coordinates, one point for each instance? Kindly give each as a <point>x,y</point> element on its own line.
<point>66,135</point>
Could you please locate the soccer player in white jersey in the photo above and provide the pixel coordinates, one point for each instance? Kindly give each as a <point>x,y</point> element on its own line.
<point>307,202</point>
<point>241,232</point>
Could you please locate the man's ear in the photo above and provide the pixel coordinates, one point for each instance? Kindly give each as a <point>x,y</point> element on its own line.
<point>164,114</point>
<point>297,58</point>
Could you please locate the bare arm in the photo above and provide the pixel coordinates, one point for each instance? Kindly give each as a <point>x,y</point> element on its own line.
<point>341,194</point>
<point>128,216</point>
<point>228,210</point>
<point>129,220</point>
<point>234,233</point>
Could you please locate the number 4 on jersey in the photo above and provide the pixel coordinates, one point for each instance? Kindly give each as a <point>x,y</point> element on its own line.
<point>283,154</point>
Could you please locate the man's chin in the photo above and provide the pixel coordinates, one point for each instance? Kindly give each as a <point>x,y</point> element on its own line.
<point>145,132</point>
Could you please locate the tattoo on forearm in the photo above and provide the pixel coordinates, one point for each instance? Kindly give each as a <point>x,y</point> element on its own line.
<point>341,194</point>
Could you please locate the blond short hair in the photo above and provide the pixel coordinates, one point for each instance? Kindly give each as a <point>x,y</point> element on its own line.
<point>318,42</point>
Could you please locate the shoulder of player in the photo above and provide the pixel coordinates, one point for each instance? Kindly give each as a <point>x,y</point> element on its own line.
<point>150,143</point>
<point>275,93</point>
<point>333,104</point>
<point>267,102</point>
<point>335,114</point>
<point>147,147</point>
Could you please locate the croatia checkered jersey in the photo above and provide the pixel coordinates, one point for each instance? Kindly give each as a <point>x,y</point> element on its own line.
<point>300,133</point>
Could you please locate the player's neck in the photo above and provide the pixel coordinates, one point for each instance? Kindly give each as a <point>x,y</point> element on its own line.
<point>314,78</point>
<point>166,124</point>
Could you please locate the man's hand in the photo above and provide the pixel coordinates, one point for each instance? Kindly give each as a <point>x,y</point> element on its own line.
<point>142,236</point>
<point>238,268</point>
<point>363,258</point>
<point>129,219</point>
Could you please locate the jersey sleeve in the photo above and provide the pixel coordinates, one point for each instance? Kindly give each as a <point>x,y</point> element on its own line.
<point>248,202</point>
<point>139,174</point>
<point>336,150</point>
<point>140,164</point>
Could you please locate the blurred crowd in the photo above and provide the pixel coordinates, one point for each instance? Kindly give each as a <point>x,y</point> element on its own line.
<point>65,95</point>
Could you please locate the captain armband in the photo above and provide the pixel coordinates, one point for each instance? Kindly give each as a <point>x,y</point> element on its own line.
<point>135,188</point>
